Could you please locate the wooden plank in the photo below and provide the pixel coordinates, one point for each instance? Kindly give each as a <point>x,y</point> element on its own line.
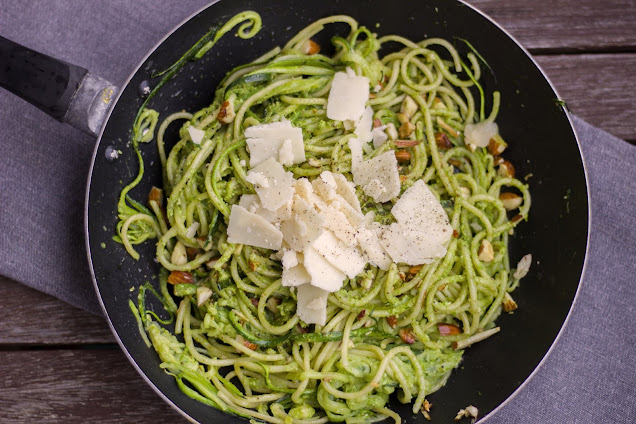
<point>77,386</point>
<point>597,87</point>
<point>566,25</point>
<point>35,318</point>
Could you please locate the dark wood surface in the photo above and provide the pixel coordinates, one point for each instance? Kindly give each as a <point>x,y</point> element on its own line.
<point>61,365</point>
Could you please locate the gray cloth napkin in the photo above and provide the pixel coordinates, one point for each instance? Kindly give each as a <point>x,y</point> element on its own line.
<point>590,375</point>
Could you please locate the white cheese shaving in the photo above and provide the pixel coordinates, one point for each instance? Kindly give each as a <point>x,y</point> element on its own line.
<point>285,153</point>
<point>346,190</point>
<point>480,134</point>
<point>272,183</point>
<point>347,96</point>
<point>407,245</point>
<point>295,276</point>
<point>273,141</point>
<point>347,259</point>
<point>356,152</point>
<point>422,228</point>
<point>312,304</point>
<point>253,204</point>
<point>251,229</point>
<point>379,136</point>
<point>289,258</point>
<point>370,244</point>
<point>196,135</point>
<point>304,227</point>
<point>338,224</point>
<point>419,208</point>
<point>322,273</point>
<point>379,177</point>
<point>364,124</point>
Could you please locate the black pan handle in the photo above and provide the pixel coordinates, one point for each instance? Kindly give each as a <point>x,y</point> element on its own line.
<point>67,92</point>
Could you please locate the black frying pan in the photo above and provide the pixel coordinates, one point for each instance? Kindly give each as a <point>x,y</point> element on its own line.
<point>542,142</point>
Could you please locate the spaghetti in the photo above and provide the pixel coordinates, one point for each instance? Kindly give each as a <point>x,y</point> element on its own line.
<point>241,346</point>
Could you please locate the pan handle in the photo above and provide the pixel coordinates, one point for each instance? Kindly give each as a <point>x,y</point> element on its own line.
<point>67,92</point>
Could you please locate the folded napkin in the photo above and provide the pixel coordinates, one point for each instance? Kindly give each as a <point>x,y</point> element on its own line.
<point>589,376</point>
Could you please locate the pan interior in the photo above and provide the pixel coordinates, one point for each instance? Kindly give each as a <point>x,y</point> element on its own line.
<point>542,146</point>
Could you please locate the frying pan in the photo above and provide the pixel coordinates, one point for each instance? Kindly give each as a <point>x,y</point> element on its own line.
<point>540,134</point>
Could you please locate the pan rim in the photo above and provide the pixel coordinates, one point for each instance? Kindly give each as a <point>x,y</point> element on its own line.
<point>213,3</point>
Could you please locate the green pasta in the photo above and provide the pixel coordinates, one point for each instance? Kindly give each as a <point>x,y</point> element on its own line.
<point>237,343</point>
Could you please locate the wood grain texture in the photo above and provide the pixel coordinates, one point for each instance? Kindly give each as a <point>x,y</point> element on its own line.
<point>599,88</point>
<point>566,25</point>
<point>36,318</point>
<point>77,386</point>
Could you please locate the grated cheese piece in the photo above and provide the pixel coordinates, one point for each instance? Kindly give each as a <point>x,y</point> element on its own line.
<point>346,190</point>
<point>272,183</point>
<point>252,203</point>
<point>356,152</point>
<point>363,126</point>
<point>369,242</point>
<point>379,177</point>
<point>480,134</point>
<point>379,136</point>
<point>251,229</point>
<point>305,225</point>
<point>322,273</point>
<point>408,245</point>
<point>285,153</point>
<point>196,135</point>
<point>347,259</point>
<point>422,228</point>
<point>347,96</point>
<point>268,141</point>
<point>312,304</point>
<point>295,276</point>
<point>430,215</point>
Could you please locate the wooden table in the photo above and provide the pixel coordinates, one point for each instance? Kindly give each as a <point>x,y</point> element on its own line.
<point>61,364</point>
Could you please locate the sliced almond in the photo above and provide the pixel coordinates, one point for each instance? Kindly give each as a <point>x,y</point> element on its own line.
<point>272,304</point>
<point>402,117</point>
<point>246,343</point>
<point>203,294</point>
<point>179,254</point>
<point>442,141</point>
<point>510,201</point>
<point>310,47</point>
<point>447,127</point>
<point>439,104</point>
<point>496,145</point>
<point>180,277</point>
<point>509,303</point>
<point>226,112</point>
<point>415,269</point>
<point>523,266</point>
<point>506,170</point>
<point>406,129</point>
<point>156,195</point>
<point>391,131</point>
<point>406,335</point>
<point>409,107</point>
<point>486,252</point>
<point>407,143</point>
<point>392,320</point>
<point>448,329</point>
<point>403,156</point>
